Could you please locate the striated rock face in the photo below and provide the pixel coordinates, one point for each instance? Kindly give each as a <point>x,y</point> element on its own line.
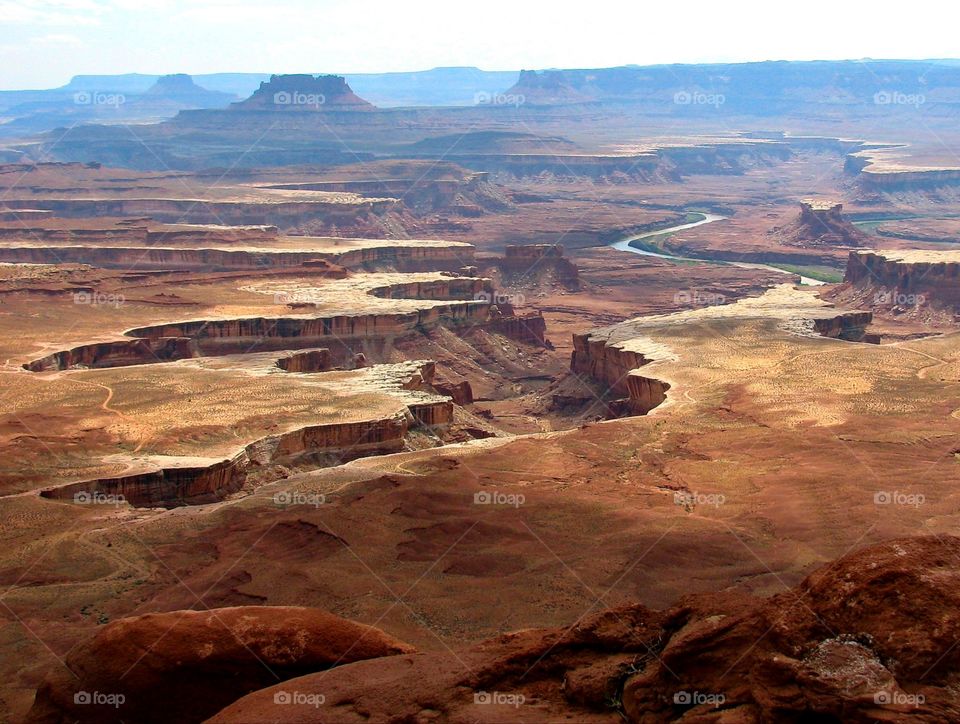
<point>118,354</point>
<point>343,336</point>
<point>918,277</point>
<point>645,393</point>
<point>870,637</point>
<point>884,178</point>
<point>185,666</point>
<point>200,482</point>
<point>461,392</point>
<point>615,367</point>
<point>849,326</point>
<point>167,487</point>
<point>304,93</point>
<point>525,262</point>
<point>314,360</point>
<point>609,364</point>
<point>821,224</point>
<point>530,327</point>
<point>432,414</point>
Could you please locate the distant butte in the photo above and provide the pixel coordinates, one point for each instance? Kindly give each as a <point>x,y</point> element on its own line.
<point>821,223</point>
<point>304,92</point>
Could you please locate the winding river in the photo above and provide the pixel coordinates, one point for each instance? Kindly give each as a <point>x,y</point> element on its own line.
<point>624,245</point>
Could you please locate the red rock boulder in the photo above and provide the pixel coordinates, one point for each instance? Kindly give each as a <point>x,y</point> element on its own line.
<point>184,666</point>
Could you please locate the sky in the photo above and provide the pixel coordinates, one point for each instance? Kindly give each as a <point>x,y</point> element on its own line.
<point>43,43</point>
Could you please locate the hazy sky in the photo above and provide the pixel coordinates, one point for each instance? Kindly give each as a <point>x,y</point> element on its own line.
<point>45,42</point>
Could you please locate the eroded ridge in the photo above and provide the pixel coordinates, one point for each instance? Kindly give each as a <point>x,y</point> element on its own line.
<point>383,307</point>
<point>171,480</point>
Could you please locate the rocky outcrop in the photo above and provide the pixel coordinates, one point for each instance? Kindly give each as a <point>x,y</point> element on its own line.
<point>167,481</point>
<point>139,232</point>
<point>304,93</point>
<point>849,326</point>
<point>870,637</point>
<point>460,392</point>
<point>547,87</point>
<point>407,258</point>
<point>119,353</point>
<point>524,263</point>
<point>173,484</point>
<point>179,91</point>
<point>344,336</point>
<point>319,360</point>
<point>615,367</point>
<point>609,364</point>
<point>432,414</point>
<point>645,393</point>
<point>909,180</point>
<point>314,360</point>
<point>917,277</point>
<point>530,328</point>
<point>821,224</point>
<point>185,666</point>
<point>167,487</point>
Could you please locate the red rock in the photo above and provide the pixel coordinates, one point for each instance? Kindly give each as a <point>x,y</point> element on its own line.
<point>184,666</point>
<point>870,637</point>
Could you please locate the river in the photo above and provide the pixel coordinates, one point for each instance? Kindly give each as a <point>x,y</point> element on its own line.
<point>624,245</point>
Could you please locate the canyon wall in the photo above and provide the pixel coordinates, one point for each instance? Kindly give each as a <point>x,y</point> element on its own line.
<point>531,328</point>
<point>934,275</point>
<point>179,485</point>
<point>849,326</point>
<point>531,261</point>
<point>314,360</point>
<point>343,336</point>
<point>395,256</point>
<point>616,368</point>
<point>595,358</point>
<point>119,353</point>
<point>199,211</point>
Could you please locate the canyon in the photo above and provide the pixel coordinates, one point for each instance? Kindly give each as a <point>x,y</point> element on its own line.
<point>598,398</point>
